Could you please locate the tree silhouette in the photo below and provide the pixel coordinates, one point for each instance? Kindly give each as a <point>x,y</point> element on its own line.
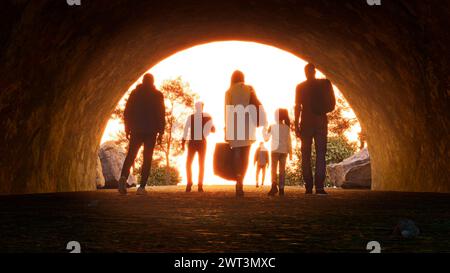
<point>338,123</point>
<point>179,101</point>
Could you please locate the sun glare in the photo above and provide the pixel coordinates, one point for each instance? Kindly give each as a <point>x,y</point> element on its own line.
<point>207,68</point>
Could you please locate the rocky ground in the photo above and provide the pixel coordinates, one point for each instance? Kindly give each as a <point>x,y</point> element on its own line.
<point>170,220</point>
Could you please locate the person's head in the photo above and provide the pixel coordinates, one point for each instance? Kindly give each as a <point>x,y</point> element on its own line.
<point>148,80</point>
<point>310,71</point>
<point>282,116</point>
<point>199,107</point>
<point>237,77</point>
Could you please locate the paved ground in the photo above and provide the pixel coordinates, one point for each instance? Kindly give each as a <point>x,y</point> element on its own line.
<point>169,220</point>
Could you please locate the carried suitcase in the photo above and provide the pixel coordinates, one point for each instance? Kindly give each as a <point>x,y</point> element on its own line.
<point>223,161</point>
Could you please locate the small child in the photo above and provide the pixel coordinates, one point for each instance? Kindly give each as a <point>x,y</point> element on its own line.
<point>280,148</point>
<point>262,162</point>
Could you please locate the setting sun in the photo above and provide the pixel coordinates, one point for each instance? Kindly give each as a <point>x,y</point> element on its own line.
<point>207,68</point>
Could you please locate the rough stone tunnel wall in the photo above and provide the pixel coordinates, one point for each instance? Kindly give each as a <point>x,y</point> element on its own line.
<point>63,69</point>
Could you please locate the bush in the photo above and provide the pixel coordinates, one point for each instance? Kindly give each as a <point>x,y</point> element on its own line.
<point>161,176</point>
<point>338,149</point>
<point>293,176</point>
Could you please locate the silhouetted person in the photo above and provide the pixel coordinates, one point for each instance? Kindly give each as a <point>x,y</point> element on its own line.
<point>262,162</point>
<point>314,99</point>
<point>197,128</point>
<point>281,147</point>
<point>242,116</point>
<point>144,119</point>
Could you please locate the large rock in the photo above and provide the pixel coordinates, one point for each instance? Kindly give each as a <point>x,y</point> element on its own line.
<point>99,178</point>
<point>112,157</point>
<point>353,172</point>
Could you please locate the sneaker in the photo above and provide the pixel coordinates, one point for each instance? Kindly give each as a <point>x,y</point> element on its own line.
<point>240,193</point>
<point>141,191</point>
<point>200,188</point>
<point>281,193</point>
<point>308,192</point>
<point>239,190</point>
<point>188,188</point>
<point>273,191</point>
<point>321,192</point>
<point>122,185</point>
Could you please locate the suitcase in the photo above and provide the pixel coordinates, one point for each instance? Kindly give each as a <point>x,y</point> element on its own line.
<point>223,158</point>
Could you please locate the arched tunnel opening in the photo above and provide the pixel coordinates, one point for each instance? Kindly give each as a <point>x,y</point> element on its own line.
<point>64,69</point>
<point>202,73</point>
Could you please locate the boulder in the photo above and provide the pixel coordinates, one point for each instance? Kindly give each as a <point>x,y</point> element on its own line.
<point>353,172</point>
<point>99,178</point>
<point>112,157</point>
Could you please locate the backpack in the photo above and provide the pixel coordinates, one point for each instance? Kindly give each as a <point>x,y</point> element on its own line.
<point>323,100</point>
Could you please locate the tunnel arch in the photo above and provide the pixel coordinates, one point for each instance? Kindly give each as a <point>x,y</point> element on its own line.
<point>63,69</point>
<point>206,68</point>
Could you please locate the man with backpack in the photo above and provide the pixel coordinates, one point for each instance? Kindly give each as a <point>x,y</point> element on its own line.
<point>314,99</point>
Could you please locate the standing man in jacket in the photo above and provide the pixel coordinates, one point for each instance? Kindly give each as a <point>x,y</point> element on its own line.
<point>313,126</point>
<point>144,119</point>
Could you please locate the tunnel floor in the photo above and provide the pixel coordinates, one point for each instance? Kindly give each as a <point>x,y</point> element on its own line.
<point>170,220</point>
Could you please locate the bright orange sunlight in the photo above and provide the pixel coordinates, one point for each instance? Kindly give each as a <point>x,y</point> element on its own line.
<point>207,68</point>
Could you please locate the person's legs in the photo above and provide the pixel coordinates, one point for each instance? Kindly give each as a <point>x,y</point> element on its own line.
<point>149,147</point>
<point>237,165</point>
<point>258,170</point>
<point>263,175</point>
<point>240,164</point>
<point>306,161</point>
<point>133,149</point>
<point>201,164</point>
<point>275,158</point>
<point>282,171</point>
<point>320,142</point>
<point>245,156</point>
<point>190,158</point>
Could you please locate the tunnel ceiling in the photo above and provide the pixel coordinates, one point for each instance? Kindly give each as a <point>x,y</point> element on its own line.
<point>63,69</point>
